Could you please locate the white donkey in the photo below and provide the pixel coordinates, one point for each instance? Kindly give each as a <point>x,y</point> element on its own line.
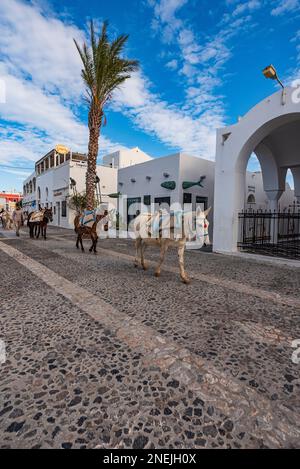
<point>8,222</point>
<point>164,230</point>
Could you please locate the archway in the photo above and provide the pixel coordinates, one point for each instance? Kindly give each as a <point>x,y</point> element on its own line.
<point>272,131</point>
<point>251,199</point>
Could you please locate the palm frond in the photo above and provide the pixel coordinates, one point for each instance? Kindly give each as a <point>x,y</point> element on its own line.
<point>104,69</point>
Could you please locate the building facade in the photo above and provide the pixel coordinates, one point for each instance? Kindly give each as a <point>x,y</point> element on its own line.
<point>125,158</point>
<point>49,185</point>
<point>8,200</point>
<point>138,178</point>
<point>271,131</point>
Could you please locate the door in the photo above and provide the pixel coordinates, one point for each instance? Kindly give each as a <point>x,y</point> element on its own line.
<point>134,211</point>
<point>162,202</point>
<point>58,213</point>
<point>202,202</point>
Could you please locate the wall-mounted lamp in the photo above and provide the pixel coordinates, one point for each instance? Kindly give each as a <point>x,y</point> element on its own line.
<point>148,178</point>
<point>166,175</point>
<point>132,180</point>
<point>271,73</point>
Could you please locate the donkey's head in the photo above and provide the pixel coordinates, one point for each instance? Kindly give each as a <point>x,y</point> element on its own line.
<point>203,224</point>
<point>48,214</point>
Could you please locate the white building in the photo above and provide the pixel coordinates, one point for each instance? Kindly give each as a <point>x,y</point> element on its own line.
<point>178,178</point>
<point>160,181</point>
<point>124,158</point>
<point>146,183</point>
<point>272,131</point>
<point>49,185</point>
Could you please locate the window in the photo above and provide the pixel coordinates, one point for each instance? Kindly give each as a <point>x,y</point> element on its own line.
<point>51,161</point>
<point>133,208</point>
<point>187,198</point>
<point>202,202</point>
<point>147,199</point>
<point>162,203</point>
<point>39,193</point>
<point>61,159</point>
<point>64,208</point>
<point>47,193</point>
<point>251,199</point>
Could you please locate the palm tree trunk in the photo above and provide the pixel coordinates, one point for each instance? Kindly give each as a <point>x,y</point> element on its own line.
<point>95,118</point>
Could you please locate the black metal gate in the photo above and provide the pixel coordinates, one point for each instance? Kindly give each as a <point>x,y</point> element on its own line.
<point>270,233</point>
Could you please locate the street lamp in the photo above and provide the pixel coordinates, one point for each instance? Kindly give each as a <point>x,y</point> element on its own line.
<point>270,73</point>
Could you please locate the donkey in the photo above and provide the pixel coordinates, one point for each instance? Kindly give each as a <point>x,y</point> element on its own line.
<point>38,221</point>
<point>7,221</point>
<point>167,224</point>
<point>87,231</point>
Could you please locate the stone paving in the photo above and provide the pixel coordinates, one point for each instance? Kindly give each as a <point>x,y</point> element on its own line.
<point>145,362</point>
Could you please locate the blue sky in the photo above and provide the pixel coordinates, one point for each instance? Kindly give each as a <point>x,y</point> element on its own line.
<point>201,63</point>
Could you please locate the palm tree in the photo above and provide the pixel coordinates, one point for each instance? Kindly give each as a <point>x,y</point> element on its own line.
<point>103,71</point>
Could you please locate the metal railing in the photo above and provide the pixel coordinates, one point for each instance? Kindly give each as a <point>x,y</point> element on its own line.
<point>270,233</point>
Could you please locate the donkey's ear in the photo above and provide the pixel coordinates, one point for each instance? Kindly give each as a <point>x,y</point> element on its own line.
<point>206,213</point>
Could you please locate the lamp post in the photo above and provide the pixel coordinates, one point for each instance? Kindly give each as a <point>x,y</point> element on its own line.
<point>271,73</point>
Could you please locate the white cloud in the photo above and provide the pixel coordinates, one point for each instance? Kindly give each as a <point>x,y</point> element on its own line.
<point>41,72</point>
<point>41,68</point>
<point>174,126</point>
<point>285,6</point>
<point>172,64</point>
<point>247,6</point>
<point>40,48</point>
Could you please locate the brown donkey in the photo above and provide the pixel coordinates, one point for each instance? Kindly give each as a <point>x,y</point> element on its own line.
<point>87,232</point>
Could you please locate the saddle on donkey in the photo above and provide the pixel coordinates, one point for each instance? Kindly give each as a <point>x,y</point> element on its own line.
<point>88,218</point>
<point>37,217</point>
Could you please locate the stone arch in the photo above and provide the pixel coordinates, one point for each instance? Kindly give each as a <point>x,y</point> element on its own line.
<point>255,132</point>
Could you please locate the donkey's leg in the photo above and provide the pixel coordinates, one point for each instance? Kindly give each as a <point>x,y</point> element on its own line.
<point>163,249</point>
<point>77,241</point>
<point>138,242</point>
<point>92,246</point>
<point>183,275</point>
<point>143,248</point>
<point>45,232</point>
<point>93,238</point>
<point>37,231</point>
<point>95,243</point>
<point>80,240</point>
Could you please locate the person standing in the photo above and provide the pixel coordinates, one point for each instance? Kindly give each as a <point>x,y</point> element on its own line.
<point>18,219</point>
<point>2,217</point>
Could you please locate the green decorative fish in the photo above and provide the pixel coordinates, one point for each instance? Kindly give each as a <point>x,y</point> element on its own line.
<point>171,185</point>
<point>115,196</point>
<point>188,184</point>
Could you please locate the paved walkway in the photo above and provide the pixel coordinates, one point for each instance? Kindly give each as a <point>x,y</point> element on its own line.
<point>102,354</point>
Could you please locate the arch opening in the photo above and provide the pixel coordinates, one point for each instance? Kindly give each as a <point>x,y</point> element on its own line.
<point>271,132</point>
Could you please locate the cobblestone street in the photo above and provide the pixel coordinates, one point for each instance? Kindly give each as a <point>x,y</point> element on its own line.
<point>101,354</point>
